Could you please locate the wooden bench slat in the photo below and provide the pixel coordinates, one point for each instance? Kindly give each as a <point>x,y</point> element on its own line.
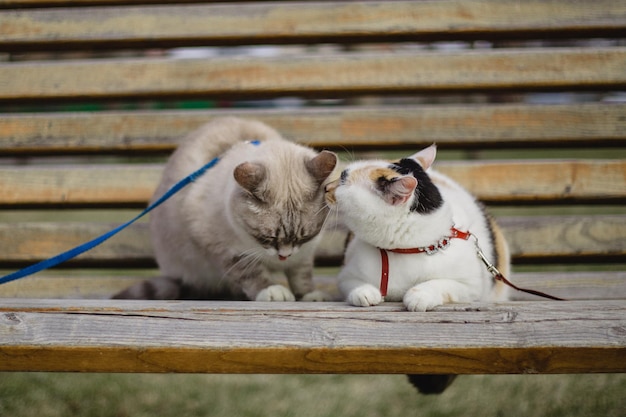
<point>572,285</point>
<point>518,182</point>
<point>335,76</point>
<point>533,239</point>
<point>588,285</point>
<point>218,24</point>
<point>114,336</point>
<point>95,185</point>
<point>451,126</point>
<point>541,238</point>
<point>526,181</point>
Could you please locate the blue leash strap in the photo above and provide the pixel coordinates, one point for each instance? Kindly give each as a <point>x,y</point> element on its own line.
<point>65,256</point>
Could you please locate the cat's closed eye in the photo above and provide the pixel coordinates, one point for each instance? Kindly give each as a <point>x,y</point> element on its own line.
<point>267,241</point>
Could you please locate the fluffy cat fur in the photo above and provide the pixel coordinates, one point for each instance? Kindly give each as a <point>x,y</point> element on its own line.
<point>258,211</point>
<point>406,204</point>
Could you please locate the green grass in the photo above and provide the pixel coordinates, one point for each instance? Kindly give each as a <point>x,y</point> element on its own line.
<point>96,395</point>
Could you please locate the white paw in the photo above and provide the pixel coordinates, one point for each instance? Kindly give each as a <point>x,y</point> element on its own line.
<point>316,295</point>
<point>417,299</point>
<point>275,293</point>
<point>364,296</point>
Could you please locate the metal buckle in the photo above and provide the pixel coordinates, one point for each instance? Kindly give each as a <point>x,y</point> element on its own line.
<point>431,250</point>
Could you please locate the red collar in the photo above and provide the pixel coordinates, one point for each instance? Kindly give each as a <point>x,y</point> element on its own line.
<point>429,250</point>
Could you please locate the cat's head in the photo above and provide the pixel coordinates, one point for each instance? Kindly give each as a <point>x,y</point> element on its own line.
<point>372,190</point>
<point>280,199</point>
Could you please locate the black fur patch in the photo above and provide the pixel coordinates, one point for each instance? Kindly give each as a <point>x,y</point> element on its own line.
<point>428,198</point>
<point>431,384</point>
<point>343,177</point>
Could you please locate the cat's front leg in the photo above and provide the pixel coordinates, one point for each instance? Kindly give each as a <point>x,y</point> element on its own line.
<point>364,296</point>
<point>301,282</point>
<point>436,292</point>
<point>257,285</point>
<point>275,292</point>
<point>358,293</point>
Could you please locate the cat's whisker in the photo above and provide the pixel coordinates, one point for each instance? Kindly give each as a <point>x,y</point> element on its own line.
<point>246,261</point>
<point>333,213</point>
<point>327,217</point>
<point>243,266</point>
<point>351,157</point>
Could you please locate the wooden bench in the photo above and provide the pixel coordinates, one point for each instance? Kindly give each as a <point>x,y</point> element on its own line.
<point>525,100</point>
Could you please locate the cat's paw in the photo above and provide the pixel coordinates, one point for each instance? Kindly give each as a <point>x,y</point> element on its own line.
<point>275,293</point>
<point>419,299</point>
<point>317,295</point>
<point>364,296</point>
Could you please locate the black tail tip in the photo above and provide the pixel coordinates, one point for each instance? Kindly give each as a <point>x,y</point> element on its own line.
<point>431,384</point>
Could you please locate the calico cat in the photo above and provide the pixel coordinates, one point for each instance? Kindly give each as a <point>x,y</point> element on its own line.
<point>405,206</point>
<point>259,210</point>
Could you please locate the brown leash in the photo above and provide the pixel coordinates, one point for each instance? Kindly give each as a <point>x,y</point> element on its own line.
<point>443,244</point>
<point>497,275</point>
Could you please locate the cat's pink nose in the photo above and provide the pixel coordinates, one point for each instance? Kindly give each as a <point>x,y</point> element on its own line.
<point>285,252</point>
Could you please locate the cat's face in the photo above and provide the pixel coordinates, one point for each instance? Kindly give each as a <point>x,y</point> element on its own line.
<point>282,214</point>
<point>370,190</point>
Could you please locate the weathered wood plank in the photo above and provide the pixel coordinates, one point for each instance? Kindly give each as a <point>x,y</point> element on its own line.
<point>114,336</point>
<point>84,286</point>
<point>451,126</point>
<point>541,238</point>
<point>590,285</point>
<point>310,75</point>
<point>29,242</point>
<point>95,185</point>
<point>242,308</point>
<point>262,23</point>
<point>527,181</point>
<point>517,182</point>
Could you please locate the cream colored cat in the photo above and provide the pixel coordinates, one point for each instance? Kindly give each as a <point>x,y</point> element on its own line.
<point>259,210</point>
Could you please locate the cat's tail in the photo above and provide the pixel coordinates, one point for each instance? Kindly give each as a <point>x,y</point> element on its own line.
<point>500,292</point>
<point>157,288</point>
<point>431,384</point>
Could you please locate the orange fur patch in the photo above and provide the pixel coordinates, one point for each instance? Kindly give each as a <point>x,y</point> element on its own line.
<point>503,257</point>
<point>386,173</point>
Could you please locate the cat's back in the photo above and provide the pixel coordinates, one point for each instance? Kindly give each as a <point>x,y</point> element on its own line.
<point>210,141</point>
<point>469,214</point>
<point>464,205</point>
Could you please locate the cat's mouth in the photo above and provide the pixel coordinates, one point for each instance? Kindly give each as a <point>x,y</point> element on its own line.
<point>285,252</point>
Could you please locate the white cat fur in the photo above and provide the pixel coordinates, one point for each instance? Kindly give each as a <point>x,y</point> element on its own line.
<point>421,281</point>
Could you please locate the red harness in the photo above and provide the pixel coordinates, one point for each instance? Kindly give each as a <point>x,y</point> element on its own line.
<point>429,250</point>
<point>442,244</point>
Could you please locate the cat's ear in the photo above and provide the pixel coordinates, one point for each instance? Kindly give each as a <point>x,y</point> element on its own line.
<point>249,175</point>
<point>426,156</point>
<point>321,166</point>
<point>398,190</point>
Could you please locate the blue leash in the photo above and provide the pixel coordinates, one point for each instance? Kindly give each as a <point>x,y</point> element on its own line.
<point>72,253</point>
